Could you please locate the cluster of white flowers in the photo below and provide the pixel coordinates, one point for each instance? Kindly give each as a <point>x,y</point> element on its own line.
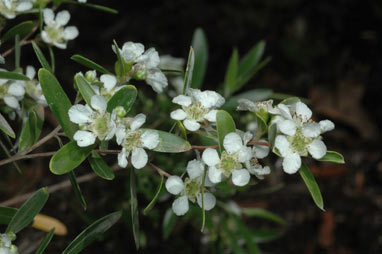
<point>54,32</point>
<point>198,107</point>
<point>10,8</point>
<point>143,65</point>
<point>6,246</point>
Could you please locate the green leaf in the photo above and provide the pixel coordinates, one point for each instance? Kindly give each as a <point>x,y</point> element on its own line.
<point>41,58</point>
<point>13,76</point>
<point>170,143</point>
<point>261,123</point>
<point>84,87</point>
<point>260,94</point>
<point>27,135</point>
<point>263,214</point>
<point>169,221</point>
<point>89,63</point>
<point>6,128</point>
<point>100,167</point>
<point>272,131</point>
<point>153,201</point>
<point>102,8</point>
<point>332,156</point>
<point>125,97</point>
<point>77,189</point>
<point>69,157</point>
<point>57,100</point>
<point>120,65</point>
<point>134,208</point>
<point>265,235</point>
<point>6,214</point>
<point>92,232</point>
<point>26,213</point>
<point>189,71</point>
<point>230,76</point>
<point>224,125</point>
<point>250,61</point>
<point>200,46</point>
<point>17,51</point>
<point>22,30</point>
<point>312,185</point>
<point>203,210</point>
<point>52,58</point>
<point>45,242</point>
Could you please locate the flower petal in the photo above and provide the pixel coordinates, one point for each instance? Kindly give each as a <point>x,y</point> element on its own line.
<point>139,158</point>
<point>120,133</point>
<point>178,114</point>
<point>317,149</point>
<point>180,206</point>
<point>84,138</point>
<point>157,80</point>
<point>150,139</point>
<point>209,201</point>
<point>174,185</point>
<point>24,6</point>
<point>109,81</point>
<point>71,32</point>
<point>182,100</point>
<point>245,154</point>
<point>62,18</point>
<point>211,116</point>
<point>80,114</point>
<point>48,16</point>
<point>282,144</point>
<point>122,158</point>
<point>326,125</point>
<point>311,130</point>
<point>12,102</point>
<point>240,177</point>
<point>98,102</point>
<point>191,125</point>
<point>16,89</point>
<point>195,168</point>
<point>284,111</point>
<point>210,157</point>
<point>30,72</point>
<point>287,127</point>
<point>303,111</point>
<point>261,151</point>
<point>291,163</point>
<point>215,175</point>
<point>232,142</point>
<point>137,121</point>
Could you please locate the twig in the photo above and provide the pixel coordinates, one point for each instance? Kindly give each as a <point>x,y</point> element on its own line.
<point>25,157</point>
<point>159,170</point>
<point>42,141</point>
<point>22,42</point>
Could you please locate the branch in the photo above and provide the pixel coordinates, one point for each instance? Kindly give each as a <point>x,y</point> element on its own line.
<point>25,157</point>
<point>42,141</point>
<point>159,170</point>
<point>22,42</point>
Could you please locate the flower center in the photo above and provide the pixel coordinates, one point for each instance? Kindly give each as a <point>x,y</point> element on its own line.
<point>228,163</point>
<point>55,33</point>
<point>192,188</point>
<point>3,90</point>
<point>132,140</point>
<point>196,111</point>
<point>299,143</point>
<point>100,126</point>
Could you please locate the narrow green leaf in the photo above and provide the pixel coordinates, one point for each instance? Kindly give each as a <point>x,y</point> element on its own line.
<point>241,81</point>
<point>45,242</point>
<point>84,87</point>
<point>332,156</point>
<point>224,125</point>
<point>27,135</point>
<point>17,51</point>
<point>41,58</point>
<point>263,214</point>
<point>12,76</point>
<point>169,221</point>
<point>57,100</point>
<point>52,58</point>
<point>170,143</point>
<point>265,235</point>
<point>154,200</point>
<point>272,131</point>
<point>200,46</point>
<point>250,60</point>
<point>102,8</point>
<point>77,189</point>
<point>230,76</point>
<point>203,210</point>
<point>6,128</point>
<point>9,155</point>
<point>6,214</point>
<point>134,208</point>
<point>120,65</point>
<point>246,234</point>
<point>261,123</point>
<point>125,97</point>
<point>260,94</point>
<point>89,63</point>
<point>92,232</point>
<point>26,213</point>
<point>312,186</point>
<point>69,157</point>
<point>22,30</point>
<point>100,167</point>
<point>189,71</point>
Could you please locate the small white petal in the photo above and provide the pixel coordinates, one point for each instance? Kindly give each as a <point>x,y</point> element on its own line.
<point>191,125</point>
<point>326,125</point>
<point>120,133</point>
<point>232,142</point>
<point>45,37</point>
<point>282,144</point>
<point>122,159</point>
<point>98,102</point>
<point>303,111</point>
<point>139,158</point>
<point>240,177</point>
<point>209,99</point>
<point>180,206</point>
<point>195,168</point>
<point>71,32</point>
<point>30,72</point>
<point>209,201</point>
<point>48,16</point>
<point>284,111</point>
<point>80,114</point>
<point>109,81</point>
<point>174,185</point>
<point>311,130</point>
<point>150,58</point>
<point>261,151</point>
<point>178,114</point>
<point>211,116</point>
<point>150,139</point>
<point>291,163</point>
<point>244,154</point>
<point>16,89</point>
<point>24,6</point>
<point>84,138</point>
<point>157,80</point>
<point>62,18</point>
<point>215,175</point>
<point>182,100</point>
<point>112,127</point>
<point>210,157</point>
<point>247,137</point>
<point>59,45</point>
<point>12,102</point>
<point>130,51</point>
<point>317,149</point>
<point>137,122</point>
<point>287,127</point>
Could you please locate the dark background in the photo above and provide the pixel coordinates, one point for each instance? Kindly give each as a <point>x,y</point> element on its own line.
<point>326,51</point>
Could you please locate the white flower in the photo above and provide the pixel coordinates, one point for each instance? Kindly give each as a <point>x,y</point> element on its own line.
<point>54,32</point>
<point>299,135</point>
<point>12,91</point>
<point>94,122</point>
<point>197,107</point>
<point>131,51</point>
<point>133,140</point>
<point>6,246</point>
<point>259,106</point>
<point>190,189</point>
<point>10,8</point>
<point>33,88</point>
<point>230,162</point>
